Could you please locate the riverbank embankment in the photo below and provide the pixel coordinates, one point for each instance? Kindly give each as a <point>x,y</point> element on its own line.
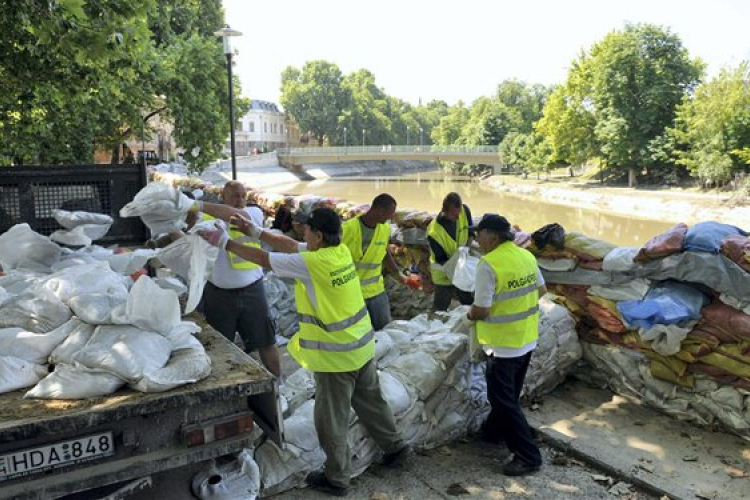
<point>667,204</point>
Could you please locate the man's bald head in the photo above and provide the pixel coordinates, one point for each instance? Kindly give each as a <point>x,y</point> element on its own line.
<point>234,194</point>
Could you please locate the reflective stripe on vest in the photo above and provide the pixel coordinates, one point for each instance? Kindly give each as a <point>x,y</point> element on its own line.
<point>235,261</point>
<point>335,332</point>
<point>334,327</point>
<point>513,319</point>
<point>437,232</point>
<point>369,263</point>
<point>330,347</point>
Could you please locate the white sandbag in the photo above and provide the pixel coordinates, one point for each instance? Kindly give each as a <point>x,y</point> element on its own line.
<point>4,296</point>
<point>185,366</point>
<point>125,351</point>
<point>75,382</point>
<point>620,259</point>
<point>193,259</point>
<point>298,388</point>
<point>33,347</point>
<point>161,207</point>
<point>22,248</point>
<point>172,283</point>
<point>398,397</point>
<point>96,308</point>
<point>70,220</point>
<point>78,336</point>
<point>635,289</point>
<point>420,371</point>
<point>88,278</point>
<point>126,263</point>
<point>237,480</point>
<point>386,349</point>
<point>149,307</point>
<point>36,310</point>
<point>461,268</point>
<point>80,236</point>
<point>556,264</point>
<point>17,373</point>
<point>18,281</point>
<point>447,348</point>
<point>666,339</point>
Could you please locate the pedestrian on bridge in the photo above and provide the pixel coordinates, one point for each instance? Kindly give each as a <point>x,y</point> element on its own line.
<point>449,231</point>
<point>367,237</point>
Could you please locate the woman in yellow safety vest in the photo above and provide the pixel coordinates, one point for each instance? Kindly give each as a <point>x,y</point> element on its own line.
<point>506,311</point>
<point>336,340</point>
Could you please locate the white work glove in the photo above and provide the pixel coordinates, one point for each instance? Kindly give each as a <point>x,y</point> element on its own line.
<point>217,237</point>
<point>246,226</point>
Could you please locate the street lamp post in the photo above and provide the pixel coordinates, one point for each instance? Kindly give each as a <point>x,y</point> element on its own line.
<point>344,136</point>
<point>225,33</point>
<point>407,135</point>
<point>363,140</point>
<point>420,138</point>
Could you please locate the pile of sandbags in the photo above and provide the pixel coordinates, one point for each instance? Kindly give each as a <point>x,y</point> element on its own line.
<point>677,300</point>
<point>76,324</point>
<point>405,302</point>
<point>436,393</point>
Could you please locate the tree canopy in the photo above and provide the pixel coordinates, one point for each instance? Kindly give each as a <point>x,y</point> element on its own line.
<point>78,75</point>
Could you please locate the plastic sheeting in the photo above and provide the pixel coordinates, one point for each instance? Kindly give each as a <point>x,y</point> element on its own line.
<point>669,303</point>
<point>707,236</point>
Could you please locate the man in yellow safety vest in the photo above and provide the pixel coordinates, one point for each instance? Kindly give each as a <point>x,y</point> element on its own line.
<point>336,340</point>
<point>447,232</point>
<point>367,237</point>
<point>234,299</point>
<point>506,311</point>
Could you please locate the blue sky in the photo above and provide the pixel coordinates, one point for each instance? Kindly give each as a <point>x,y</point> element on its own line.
<point>455,50</point>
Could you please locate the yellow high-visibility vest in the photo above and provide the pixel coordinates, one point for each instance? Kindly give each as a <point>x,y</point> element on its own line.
<point>237,236</point>
<point>369,264</point>
<point>336,334</point>
<point>438,233</point>
<point>513,320</point>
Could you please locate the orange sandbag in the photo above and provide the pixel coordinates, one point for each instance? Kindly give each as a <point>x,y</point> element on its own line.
<point>731,323</point>
<point>737,248</point>
<point>664,244</point>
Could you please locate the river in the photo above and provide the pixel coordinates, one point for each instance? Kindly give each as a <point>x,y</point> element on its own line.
<point>425,191</point>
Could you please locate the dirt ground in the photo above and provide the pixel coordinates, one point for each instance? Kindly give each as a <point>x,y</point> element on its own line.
<point>471,469</point>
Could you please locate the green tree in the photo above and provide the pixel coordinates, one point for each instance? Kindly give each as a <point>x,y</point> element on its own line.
<point>450,128</point>
<point>714,127</point>
<point>639,76</point>
<point>315,97</point>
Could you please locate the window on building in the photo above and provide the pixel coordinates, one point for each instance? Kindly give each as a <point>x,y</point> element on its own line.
<point>265,128</point>
<point>251,127</point>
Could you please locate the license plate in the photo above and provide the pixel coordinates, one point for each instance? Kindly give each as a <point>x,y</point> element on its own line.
<point>33,460</point>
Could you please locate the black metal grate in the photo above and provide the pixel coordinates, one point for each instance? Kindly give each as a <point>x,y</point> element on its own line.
<point>30,194</point>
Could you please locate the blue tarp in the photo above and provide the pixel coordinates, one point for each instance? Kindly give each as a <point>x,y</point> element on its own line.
<point>669,303</point>
<point>707,236</point>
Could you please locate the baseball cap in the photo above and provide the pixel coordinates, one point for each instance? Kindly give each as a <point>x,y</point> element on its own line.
<point>325,220</point>
<point>495,223</point>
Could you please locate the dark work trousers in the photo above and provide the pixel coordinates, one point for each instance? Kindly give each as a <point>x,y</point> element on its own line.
<point>506,420</point>
<point>445,293</point>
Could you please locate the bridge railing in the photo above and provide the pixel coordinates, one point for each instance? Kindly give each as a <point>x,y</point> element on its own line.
<point>388,149</point>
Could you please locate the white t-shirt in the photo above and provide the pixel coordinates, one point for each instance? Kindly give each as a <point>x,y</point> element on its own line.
<point>292,265</point>
<point>224,275</point>
<point>483,294</point>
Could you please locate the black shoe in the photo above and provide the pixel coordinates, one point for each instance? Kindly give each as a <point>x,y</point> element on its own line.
<point>518,468</point>
<point>318,481</point>
<point>397,458</point>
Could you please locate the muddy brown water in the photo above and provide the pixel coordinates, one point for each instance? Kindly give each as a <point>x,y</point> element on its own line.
<point>425,191</point>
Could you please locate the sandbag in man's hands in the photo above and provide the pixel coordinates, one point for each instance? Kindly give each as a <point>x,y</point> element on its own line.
<point>217,236</point>
<point>246,226</point>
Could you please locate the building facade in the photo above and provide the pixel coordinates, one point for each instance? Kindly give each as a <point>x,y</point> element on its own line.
<point>261,130</point>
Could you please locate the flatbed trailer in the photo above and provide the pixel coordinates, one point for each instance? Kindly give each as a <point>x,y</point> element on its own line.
<point>53,448</point>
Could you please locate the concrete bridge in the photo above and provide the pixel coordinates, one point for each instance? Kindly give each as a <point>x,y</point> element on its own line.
<point>293,158</point>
